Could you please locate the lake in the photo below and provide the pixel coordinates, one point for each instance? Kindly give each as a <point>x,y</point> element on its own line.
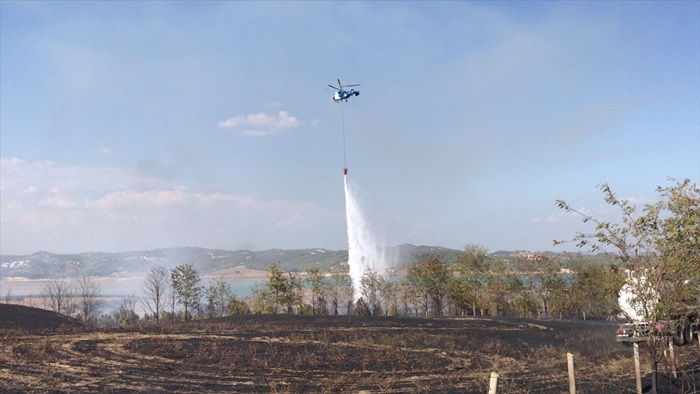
<point>112,290</point>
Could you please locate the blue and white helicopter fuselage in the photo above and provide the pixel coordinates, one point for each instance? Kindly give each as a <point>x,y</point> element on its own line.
<point>342,94</point>
<point>345,94</point>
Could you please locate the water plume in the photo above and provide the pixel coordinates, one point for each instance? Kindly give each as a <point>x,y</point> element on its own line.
<point>364,250</point>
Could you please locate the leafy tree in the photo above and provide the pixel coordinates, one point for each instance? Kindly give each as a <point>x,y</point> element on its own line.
<point>660,250</point>
<point>186,285</point>
<point>677,218</point>
<point>408,296</point>
<point>235,306</point>
<point>304,309</point>
<point>361,308</point>
<point>371,286</point>
<point>525,305</point>
<point>503,289</point>
<point>283,290</point>
<point>317,283</point>
<point>262,302</point>
<point>390,295</point>
<point>295,296</point>
<point>473,265</point>
<point>154,289</point>
<point>595,289</point>
<point>460,295</point>
<point>126,315</point>
<point>217,295</point>
<point>430,278</point>
<point>278,285</point>
<point>542,278</point>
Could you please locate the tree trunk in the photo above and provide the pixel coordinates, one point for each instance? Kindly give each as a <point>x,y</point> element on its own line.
<point>654,371</point>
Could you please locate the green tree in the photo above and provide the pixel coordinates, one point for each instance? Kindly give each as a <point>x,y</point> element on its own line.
<point>594,290</point>
<point>659,248</point>
<point>262,302</point>
<point>217,295</point>
<point>542,278</point>
<point>126,315</point>
<point>460,295</point>
<point>408,297</point>
<point>278,286</point>
<point>677,217</point>
<point>430,278</point>
<point>503,289</point>
<point>372,287</point>
<point>186,285</point>
<point>234,306</point>
<point>283,290</point>
<point>361,308</point>
<point>390,295</point>
<point>472,265</point>
<point>317,283</point>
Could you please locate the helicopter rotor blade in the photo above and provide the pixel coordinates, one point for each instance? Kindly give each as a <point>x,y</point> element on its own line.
<point>333,87</point>
<point>347,86</point>
<point>340,84</point>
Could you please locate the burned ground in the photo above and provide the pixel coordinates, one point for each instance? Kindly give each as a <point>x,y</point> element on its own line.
<point>280,353</point>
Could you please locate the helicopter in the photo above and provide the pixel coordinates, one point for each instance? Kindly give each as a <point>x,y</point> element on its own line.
<point>343,94</point>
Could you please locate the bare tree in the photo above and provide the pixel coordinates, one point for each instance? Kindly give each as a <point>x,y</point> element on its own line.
<point>154,289</point>
<point>57,296</point>
<point>8,295</point>
<point>88,293</point>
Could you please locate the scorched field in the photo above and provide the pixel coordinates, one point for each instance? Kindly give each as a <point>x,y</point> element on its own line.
<point>282,353</point>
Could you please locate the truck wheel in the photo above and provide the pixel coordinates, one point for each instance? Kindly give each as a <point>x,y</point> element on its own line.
<point>679,333</point>
<point>690,333</point>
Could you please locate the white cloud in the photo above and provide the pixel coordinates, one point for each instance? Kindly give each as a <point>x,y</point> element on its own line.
<point>564,216</point>
<point>46,206</point>
<point>261,124</point>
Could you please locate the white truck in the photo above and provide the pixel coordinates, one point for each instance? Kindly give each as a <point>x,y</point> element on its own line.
<point>637,303</point>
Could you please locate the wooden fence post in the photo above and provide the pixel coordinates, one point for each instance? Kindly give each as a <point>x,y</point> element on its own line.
<point>493,383</point>
<point>572,378</point>
<point>672,356</point>
<point>637,368</point>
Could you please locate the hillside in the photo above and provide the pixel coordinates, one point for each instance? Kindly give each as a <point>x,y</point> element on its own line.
<point>28,318</point>
<point>50,265</point>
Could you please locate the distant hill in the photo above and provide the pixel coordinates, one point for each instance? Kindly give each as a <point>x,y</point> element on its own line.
<point>50,265</point>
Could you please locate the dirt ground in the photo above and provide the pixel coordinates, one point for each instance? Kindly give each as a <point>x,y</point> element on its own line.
<point>280,353</point>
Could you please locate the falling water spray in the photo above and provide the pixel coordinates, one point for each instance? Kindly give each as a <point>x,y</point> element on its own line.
<point>364,251</point>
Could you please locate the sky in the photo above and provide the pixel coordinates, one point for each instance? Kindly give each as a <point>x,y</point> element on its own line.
<point>131,126</point>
